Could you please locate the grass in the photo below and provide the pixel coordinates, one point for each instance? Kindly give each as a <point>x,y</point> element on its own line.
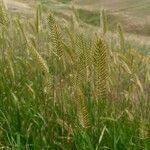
<point>63,87</point>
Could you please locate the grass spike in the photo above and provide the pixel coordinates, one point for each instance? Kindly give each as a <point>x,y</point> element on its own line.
<point>21,29</point>
<point>41,64</point>
<point>121,37</point>
<point>38,59</point>
<point>100,60</point>
<point>56,36</point>
<point>38,18</point>
<point>3,15</point>
<point>103,20</point>
<point>82,111</point>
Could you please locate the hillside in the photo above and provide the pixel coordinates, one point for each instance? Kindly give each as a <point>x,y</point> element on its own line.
<point>133,15</point>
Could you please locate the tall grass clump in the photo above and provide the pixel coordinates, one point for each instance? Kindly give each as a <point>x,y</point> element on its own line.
<point>63,88</point>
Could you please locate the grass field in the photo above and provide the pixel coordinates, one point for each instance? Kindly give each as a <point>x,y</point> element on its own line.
<point>69,83</point>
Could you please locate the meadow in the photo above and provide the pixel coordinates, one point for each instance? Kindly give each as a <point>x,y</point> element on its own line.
<point>65,84</point>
